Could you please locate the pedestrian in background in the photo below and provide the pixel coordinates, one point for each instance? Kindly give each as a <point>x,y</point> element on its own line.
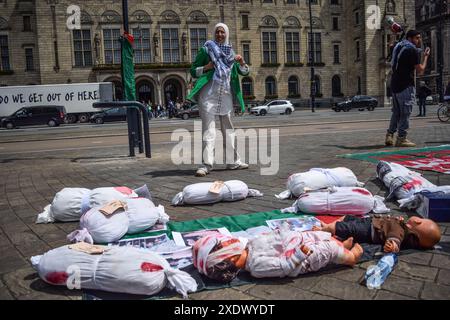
<point>447,92</point>
<point>423,93</point>
<point>405,60</point>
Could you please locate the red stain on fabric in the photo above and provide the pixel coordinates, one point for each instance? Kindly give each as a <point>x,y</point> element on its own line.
<point>150,267</point>
<point>362,191</point>
<point>289,253</point>
<point>57,277</point>
<point>412,184</point>
<point>124,190</point>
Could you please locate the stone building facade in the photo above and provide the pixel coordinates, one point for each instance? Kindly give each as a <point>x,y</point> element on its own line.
<point>39,47</point>
<point>434,23</point>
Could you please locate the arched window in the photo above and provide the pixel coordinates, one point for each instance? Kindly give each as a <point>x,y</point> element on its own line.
<point>336,86</point>
<point>390,7</point>
<point>145,91</point>
<point>271,86</point>
<point>247,86</point>
<point>293,86</point>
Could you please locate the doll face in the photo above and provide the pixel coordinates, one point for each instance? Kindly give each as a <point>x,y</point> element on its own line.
<point>220,35</point>
<point>427,231</point>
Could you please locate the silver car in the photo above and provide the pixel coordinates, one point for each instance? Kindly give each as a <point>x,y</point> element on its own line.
<point>274,107</point>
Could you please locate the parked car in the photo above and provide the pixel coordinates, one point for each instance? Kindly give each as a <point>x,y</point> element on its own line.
<point>357,102</point>
<point>274,107</point>
<point>192,112</point>
<point>109,115</point>
<point>27,116</point>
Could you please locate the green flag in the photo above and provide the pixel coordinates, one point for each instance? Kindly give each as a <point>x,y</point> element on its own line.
<point>129,86</point>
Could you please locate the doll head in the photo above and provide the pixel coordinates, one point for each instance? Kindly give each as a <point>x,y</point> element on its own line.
<point>219,257</point>
<point>426,230</point>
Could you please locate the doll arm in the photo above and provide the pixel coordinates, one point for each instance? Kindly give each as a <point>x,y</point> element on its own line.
<point>391,245</point>
<point>394,235</point>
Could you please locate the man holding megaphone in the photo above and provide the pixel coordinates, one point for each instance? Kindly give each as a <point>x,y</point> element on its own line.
<point>406,58</point>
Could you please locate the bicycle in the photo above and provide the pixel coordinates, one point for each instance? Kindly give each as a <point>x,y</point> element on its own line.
<point>443,112</point>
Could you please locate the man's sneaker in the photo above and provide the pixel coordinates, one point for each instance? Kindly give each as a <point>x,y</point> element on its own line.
<point>403,142</point>
<point>389,140</point>
<point>201,172</point>
<point>237,166</point>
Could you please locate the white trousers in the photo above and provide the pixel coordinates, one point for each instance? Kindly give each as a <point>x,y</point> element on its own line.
<point>209,138</point>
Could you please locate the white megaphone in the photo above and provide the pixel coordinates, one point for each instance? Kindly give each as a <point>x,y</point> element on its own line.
<point>395,27</point>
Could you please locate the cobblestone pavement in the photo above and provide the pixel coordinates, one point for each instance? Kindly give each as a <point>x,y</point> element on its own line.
<point>28,183</point>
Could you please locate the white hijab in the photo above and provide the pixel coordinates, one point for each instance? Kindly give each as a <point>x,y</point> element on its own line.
<point>227,32</point>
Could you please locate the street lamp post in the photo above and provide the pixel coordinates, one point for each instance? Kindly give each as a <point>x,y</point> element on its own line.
<point>312,59</point>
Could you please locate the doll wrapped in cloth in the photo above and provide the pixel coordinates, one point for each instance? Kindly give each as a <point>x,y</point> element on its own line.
<point>130,216</point>
<point>339,201</point>
<point>280,253</point>
<point>318,178</point>
<point>114,269</point>
<point>204,193</point>
<point>70,204</point>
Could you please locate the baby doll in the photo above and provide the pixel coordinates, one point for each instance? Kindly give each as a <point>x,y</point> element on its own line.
<point>280,253</point>
<point>391,232</point>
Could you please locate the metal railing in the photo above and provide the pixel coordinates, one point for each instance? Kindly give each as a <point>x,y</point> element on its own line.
<point>134,124</point>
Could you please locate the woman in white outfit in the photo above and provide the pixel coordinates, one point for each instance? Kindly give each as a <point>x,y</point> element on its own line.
<point>217,69</point>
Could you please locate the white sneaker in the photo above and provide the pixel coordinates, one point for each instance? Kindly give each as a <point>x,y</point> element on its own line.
<point>237,166</point>
<point>201,172</point>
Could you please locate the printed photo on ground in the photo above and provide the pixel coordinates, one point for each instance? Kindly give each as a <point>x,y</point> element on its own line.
<point>178,259</point>
<point>295,224</point>
<point>146,242</point>
<point>189,238</point>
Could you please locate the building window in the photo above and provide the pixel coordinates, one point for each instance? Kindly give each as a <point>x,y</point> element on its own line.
<point>247,86</point>
<point>336,86</point>
<point>246,52</point>
<point>293,86</point>
<point>198,39</point>
<point>335,23</point>
<point>314,1</point>
<point>244,22</point>
<point>317,47</point>
<point>357,20</point>
<point>171,46</point>
<point>358,50</point>
<point>271,86</point>
<point>269,47</point>
<point>334,2</point>
<point>267,1</point>
<point>142,51</point>
<point>4,53</point>
<point>291,1</point>
<point>82,48</point>
<point>358,92</point>
<point>26,23</point>
<point>292,47</point>
<point>29,61</point>
<point>111,45</point>
<point>336,52</point>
